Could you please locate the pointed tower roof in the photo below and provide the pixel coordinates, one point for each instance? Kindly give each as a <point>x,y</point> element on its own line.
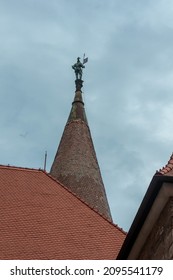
<point>75,164</point>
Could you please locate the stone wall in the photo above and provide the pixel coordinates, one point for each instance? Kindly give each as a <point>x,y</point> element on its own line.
<point>159,244</point>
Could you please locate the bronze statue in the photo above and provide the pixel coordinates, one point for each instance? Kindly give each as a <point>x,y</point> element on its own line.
<point>78,69</point>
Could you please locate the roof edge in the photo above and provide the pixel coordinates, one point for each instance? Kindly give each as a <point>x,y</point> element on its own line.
<point>63,186</point>
<point>142,213</point>
<point>167,168</point>
<point>3,166</point>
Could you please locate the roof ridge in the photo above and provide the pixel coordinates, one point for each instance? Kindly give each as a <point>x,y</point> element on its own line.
<point>167,168</point>
<point>75,195</point>
<point>3,166</point>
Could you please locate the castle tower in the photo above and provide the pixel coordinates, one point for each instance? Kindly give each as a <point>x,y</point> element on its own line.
<point>75,164</point>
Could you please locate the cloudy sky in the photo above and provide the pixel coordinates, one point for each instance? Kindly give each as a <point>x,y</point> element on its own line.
<point>128,88</point>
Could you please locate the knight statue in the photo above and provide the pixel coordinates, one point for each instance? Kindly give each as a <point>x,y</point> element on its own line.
<point>78,69</point>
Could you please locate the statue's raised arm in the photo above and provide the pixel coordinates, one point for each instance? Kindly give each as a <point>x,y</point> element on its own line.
<point>77,67</point>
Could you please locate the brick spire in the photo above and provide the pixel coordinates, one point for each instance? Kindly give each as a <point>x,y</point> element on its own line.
<point>75,164</point>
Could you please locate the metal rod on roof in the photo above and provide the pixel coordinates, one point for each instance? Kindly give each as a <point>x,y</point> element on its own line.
<point>45,160</point>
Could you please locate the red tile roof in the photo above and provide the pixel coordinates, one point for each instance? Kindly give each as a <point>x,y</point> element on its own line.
<point>168,168</point>
<point>41,219</point>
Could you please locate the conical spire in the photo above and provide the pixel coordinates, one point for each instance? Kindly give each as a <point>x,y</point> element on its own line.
<point>77,110</point>
<point>75,164</point>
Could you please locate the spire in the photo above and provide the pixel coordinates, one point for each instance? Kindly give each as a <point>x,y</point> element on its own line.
<point>77,110</point>
<point>75,164</point>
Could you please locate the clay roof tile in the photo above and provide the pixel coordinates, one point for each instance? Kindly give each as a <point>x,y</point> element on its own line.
<point>42,219</point>
<point>168,168</point>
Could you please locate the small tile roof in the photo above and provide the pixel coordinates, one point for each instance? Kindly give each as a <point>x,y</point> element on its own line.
<point>41,219</point>
<point>167,169</point>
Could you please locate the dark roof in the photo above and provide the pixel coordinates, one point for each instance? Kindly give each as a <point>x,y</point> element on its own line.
<point>42,219</point>
<point>75,164</point>
<point>143,212</point>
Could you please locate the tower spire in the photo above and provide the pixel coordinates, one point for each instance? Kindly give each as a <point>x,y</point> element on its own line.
<point>77,111</point>
<point>75,164</point>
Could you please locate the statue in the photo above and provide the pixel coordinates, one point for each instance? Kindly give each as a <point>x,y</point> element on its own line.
<point>78,69</point>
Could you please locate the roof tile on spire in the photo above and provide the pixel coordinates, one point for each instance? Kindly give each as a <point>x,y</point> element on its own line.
<point>75,164</point>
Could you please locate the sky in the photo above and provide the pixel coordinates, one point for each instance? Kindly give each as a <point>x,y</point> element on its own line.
<point>128,87</point>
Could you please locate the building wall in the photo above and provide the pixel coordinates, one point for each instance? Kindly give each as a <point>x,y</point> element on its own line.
<point>159,244</point>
